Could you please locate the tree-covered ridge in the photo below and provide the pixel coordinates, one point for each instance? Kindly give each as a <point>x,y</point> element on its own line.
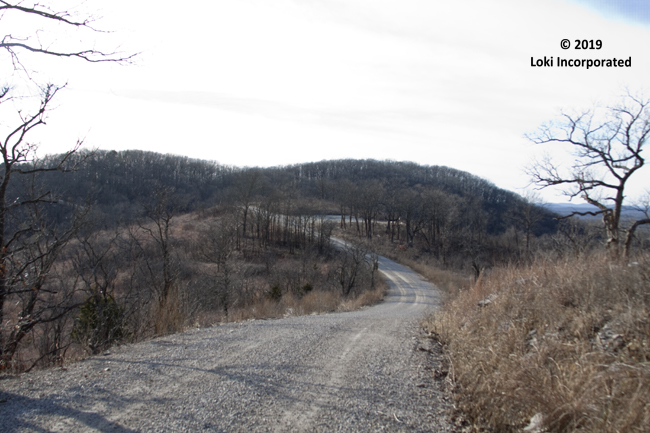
<point>401,173</point>
<point>397,177</point>
<point>111,177</point>
<point>119,182</point>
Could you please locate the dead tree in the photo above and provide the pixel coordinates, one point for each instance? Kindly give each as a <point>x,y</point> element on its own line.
<point>607,143</point>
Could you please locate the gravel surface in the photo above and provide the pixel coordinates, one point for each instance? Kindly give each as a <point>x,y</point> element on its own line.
<point>369,370</point>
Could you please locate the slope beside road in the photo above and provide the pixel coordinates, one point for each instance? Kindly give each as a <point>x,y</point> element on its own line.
<point>368,370</point>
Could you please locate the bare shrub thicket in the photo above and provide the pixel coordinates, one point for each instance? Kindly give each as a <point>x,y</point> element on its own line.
<point>169,272</point>
<point>277,275</point>
<point>565,339</point>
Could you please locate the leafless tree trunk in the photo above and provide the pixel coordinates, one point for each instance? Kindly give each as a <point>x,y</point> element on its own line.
<point>528,215</point>
<point>161,214</point>
<point>607,143</point>
<point>102,319</point>
<point>645,208</point>
<point>247,187</point>
<point>350,267</point>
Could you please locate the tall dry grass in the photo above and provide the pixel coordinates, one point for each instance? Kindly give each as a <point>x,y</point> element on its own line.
<point>567,340</point>
<point>314,302</point>
<point>449,282</point>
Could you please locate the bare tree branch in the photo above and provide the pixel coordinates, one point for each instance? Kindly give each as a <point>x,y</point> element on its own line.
<point>32,43</point>
<point>607,143</point>
<point>93,56</point>
<point>42,11</point>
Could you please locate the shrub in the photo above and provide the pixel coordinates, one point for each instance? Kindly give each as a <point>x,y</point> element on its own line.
<point>275,293</point>
<point>100,324</point>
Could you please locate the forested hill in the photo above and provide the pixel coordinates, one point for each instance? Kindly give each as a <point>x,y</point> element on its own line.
<point>401,182</point>
<point>119,183</point>
<point>400,174</point>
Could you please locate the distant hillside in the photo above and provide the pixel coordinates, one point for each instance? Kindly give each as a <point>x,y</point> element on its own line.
<point>118,184</point>
<point>498,204</point>
<point>567,208</point>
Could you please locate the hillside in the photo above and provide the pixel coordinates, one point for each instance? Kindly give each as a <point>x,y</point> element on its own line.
<point>124,246</point>
<point>119,183</point>
<point>628,212</point>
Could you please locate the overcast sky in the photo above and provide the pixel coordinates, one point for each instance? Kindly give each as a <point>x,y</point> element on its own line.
<point>277,82</point>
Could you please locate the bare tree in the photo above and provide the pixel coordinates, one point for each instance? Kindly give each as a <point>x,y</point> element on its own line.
<point>412,212</point>
<point>159,220</point>
<point>368,202</point>
<point>25,242</point>
<point>246,190</point>
<point>607,143</point>
<point>528,215</point>
<point>29,246</point>
<point>28,297</point>
<point>353,260</point>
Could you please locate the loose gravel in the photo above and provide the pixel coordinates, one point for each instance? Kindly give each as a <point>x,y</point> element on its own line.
<point>368,370</point>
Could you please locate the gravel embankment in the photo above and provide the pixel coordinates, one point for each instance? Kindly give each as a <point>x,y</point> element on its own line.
<point>358,371</point>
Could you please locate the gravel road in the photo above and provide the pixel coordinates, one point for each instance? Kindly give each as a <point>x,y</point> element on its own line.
<point>369,370</point>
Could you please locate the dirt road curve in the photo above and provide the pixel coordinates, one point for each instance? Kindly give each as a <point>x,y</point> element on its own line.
<point>359,371</point>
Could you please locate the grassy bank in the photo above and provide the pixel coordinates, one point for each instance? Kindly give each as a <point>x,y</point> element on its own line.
<point>564,343</point>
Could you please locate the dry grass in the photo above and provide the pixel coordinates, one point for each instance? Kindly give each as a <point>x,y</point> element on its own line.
<point>315,302</point>
<point>365,299</point>
<point>569,340</point>
<point>449,282</point>
<point>168,316</point>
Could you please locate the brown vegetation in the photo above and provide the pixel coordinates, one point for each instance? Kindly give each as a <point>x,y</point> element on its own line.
<point>167,273</point>
<point>568,339</point>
